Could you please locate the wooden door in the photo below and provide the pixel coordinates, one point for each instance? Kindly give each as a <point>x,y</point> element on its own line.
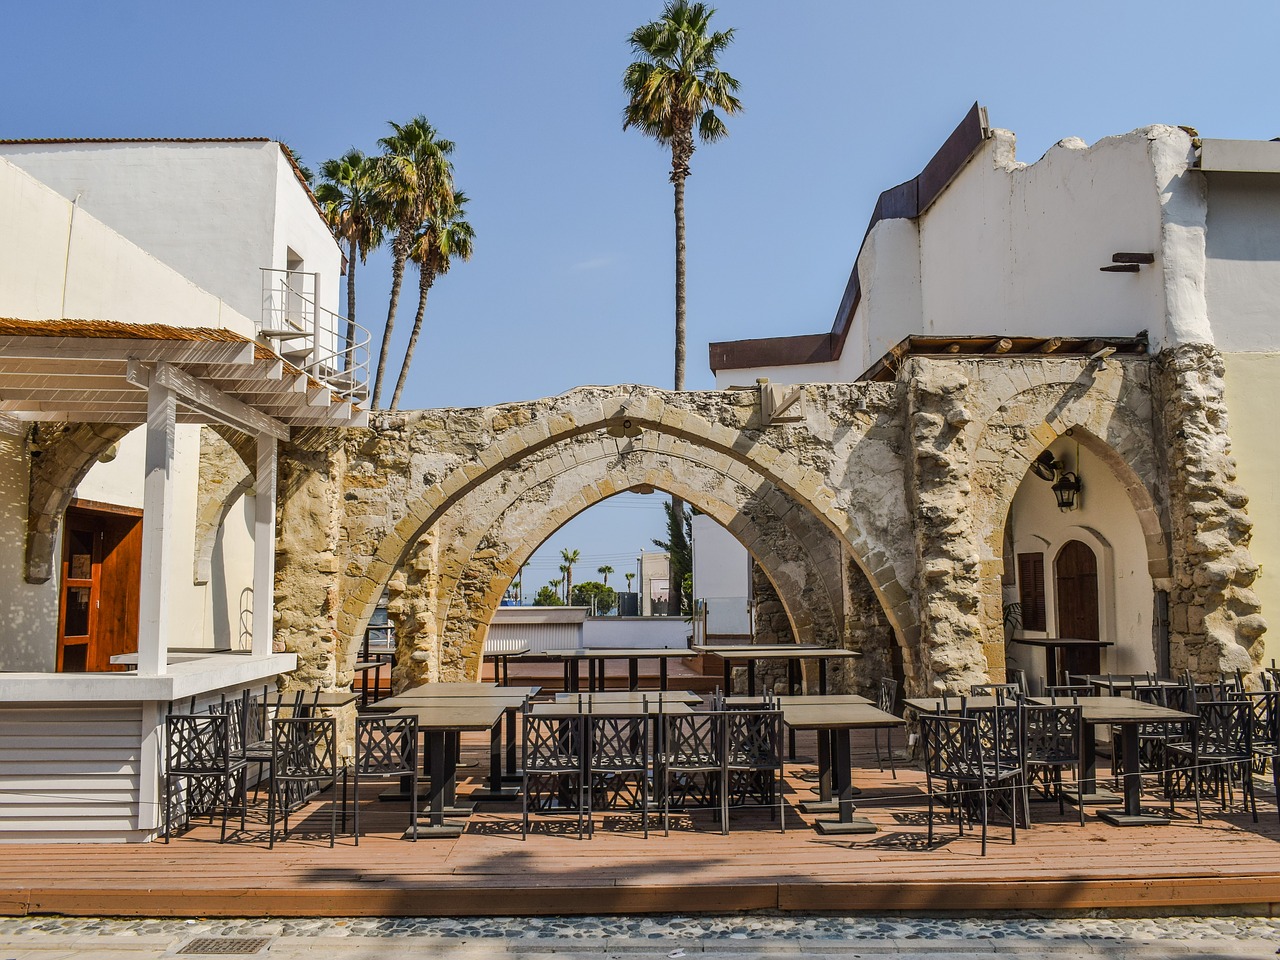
<point>1076,576</point>
<point>101,573</point>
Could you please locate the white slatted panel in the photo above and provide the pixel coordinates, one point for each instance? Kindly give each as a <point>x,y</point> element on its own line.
<point>69,772</point>
<point>539,636</point>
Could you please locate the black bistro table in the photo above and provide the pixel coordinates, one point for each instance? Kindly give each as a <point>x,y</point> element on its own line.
<point>793,654</point>
<point>597,657</point>
<point>441,723</point>
<point>1127,714</point>
<point>1052,647</point>
<point>833,719</point>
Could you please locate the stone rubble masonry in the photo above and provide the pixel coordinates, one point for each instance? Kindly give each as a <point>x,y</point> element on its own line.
<point>877,519</point>
<point>61,454</point>
<point>1216,619</point>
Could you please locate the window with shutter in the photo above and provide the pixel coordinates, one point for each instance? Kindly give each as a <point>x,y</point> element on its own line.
<point>1031,590</point>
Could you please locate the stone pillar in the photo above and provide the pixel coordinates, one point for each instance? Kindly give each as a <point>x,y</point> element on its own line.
<point>412,596</point>
<point>309,529</point>
<point>866,629</point>
<point>1216,620</point>
<point>948,580</point>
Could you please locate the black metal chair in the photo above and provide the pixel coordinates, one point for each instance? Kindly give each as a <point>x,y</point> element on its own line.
<point>959,771</point>
<point>304,761</point>
<point>1052,740</point>
<point>687,764</point>
<point>1219,753</point>
<point>751,770</point>
<point>1001,691</point>
<point>555,754</point>
<point>1066,691</point>
<point>386,746</point>
<point>1266,736</point>
<point>618,765</point>
<point>199,750</point>
<point>886,700</point>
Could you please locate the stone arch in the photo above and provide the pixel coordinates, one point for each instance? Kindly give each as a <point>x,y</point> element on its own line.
<point>227,472</point>
<point>800,557</point>
<point>1107,411</point>
<point>724,425</point>
<point>61,456</point>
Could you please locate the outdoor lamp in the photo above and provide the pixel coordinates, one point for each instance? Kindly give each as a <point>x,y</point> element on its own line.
<point>1066,489</point>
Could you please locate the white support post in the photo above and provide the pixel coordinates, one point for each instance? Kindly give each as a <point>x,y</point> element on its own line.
<point>264,546</point>
<point>157,531</point>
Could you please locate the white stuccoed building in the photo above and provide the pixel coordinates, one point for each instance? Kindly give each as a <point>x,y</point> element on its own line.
<point>147,288</point>
<point>1157,235</point>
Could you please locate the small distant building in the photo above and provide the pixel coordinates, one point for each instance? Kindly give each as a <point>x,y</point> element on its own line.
<point>654,575</point>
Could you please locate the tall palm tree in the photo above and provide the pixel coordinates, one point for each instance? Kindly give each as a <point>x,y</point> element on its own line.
<point>673,85</point>
<point>570,557</point>
<point>350,202</point>
<point>566,577</point>
<point>604,572</point>
<point>443,237</point>
<point>415,177</point>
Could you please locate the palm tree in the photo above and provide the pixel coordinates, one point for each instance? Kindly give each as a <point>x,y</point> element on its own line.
<point>604,572</point>
<point>630,577</point>
<point>673,85</point>
<point>566,577</point>
<point>443,237</point>
<point>570,557</point>
<point>349,200</point>
<point>415,178</point>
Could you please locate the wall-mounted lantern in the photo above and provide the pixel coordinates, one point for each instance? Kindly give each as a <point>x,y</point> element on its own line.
<point>1066,490</point>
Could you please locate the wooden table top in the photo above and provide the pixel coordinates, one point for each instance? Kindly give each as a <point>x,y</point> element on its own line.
<point>815,714</point>
<point>801,699</point>
<point>1121,710</point>
<point>460,714</point>
<point>567,708</point>
<point>632,696</point>
<point>512,696</point>
<point>953,703</point>
<point>616,653</point>
<point>777,651</point>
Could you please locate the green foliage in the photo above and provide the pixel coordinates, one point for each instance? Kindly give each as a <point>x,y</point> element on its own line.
<point>547,597</point>
<point>680,553</point>
<point>592,593</point>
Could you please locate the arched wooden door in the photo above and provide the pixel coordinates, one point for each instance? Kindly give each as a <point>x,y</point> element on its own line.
<point>1076,577</point>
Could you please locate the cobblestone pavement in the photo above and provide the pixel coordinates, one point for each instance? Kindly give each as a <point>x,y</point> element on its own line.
<point>729,937</point>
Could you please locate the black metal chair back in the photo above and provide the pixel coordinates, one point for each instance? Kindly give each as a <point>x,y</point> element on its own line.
<point>386,746</point>
<point>1052,739</point>
<point>687,762</point>
<point>1066,691</point>
<point>751,771</point>
<point>886,700</point>
<point>555,755</point>
<point>618,765</point>
<point>959,770</point>
<point>199,749</point>
<point>304,759</point>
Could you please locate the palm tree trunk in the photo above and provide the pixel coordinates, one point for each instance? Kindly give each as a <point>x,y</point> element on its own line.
<point>400,254</point>
<point>679,184</point>
<point>424,285</point>
<point>351,303</point>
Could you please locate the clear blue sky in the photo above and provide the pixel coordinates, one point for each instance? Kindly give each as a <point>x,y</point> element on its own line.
<point>572,279</point>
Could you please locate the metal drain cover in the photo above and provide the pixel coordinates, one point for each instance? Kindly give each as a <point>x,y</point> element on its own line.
<point>225,945</point>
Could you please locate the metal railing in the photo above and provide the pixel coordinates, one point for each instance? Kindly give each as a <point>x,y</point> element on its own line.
<point>330,347</point>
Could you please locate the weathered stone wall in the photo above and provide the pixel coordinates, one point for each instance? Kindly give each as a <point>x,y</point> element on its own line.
<point>879,513</point>
<point>1216,618</point>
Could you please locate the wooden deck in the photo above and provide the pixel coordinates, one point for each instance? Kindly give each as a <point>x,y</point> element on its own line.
<point>489,870</point>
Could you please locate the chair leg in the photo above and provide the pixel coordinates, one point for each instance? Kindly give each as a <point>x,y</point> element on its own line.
<point>168,805</point>
<point>271,813</point>
<point>355,808</point>
<point>983,788</point>
<point>413,803</point>
<point>888,747</point>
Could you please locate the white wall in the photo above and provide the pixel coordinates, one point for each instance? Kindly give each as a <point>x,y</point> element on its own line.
<point>1107,523</point>
<point>638,632</point>
<point>29,612</point>
<point>721,577</point>
<point>57,261</point>
<point>1242,247</point>
<point>229,598</point>
<point>214,212</point>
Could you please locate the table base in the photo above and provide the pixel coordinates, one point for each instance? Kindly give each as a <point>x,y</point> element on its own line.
<point>493,796</point>
<point>856,825</point>
<point>1118,818</point>
<point>398,795</point>
<point>449,830</point>
<point>1098,796</point>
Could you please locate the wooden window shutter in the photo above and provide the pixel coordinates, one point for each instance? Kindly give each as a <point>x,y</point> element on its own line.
<point>1031,590</point>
